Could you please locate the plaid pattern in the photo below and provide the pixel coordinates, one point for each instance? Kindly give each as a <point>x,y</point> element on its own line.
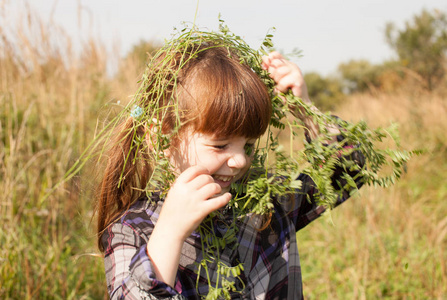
<point>270,257</point>
<point>271,263</point>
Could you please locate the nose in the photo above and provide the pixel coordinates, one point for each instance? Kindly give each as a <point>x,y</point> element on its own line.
<point>238,160</point>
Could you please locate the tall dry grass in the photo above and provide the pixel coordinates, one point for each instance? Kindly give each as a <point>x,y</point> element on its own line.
<point>384,244</point>
<point>50,99</point>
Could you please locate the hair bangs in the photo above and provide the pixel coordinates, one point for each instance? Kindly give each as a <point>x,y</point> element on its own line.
<point>230,99</point>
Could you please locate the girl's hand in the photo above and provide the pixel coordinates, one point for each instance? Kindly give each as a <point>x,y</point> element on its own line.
<point>286,74</point>
<point>190,200</point>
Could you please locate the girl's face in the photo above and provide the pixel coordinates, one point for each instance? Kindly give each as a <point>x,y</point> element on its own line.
<point>226,158</point>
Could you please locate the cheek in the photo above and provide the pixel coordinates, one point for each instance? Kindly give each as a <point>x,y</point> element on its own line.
<point>211,161</point>
<point>190,160</point>
<point>180,159</point>
<point>188,157</point>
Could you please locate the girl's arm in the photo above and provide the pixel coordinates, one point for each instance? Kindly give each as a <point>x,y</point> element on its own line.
<point>287,75</point>
<point>135,267</point>
<point>129,271</point>
<point>187,204</point>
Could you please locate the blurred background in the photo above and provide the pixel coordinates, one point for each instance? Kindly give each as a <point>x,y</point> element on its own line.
<point>66,66</point>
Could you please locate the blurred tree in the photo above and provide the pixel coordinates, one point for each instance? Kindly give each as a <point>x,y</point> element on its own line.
<point>326,93</point>
<point>359,75</point>
<point>422,45</point>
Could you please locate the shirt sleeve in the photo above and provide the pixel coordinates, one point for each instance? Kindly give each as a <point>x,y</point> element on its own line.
<point>304,207</point>
<point>129,271</point>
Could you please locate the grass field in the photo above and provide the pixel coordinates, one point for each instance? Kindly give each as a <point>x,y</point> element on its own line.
<point>383,244</point>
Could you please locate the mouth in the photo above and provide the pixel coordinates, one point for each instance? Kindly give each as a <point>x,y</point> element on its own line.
<point>223,181</point>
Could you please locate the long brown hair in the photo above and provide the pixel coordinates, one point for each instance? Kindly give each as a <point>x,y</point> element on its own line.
<point>208,90</point>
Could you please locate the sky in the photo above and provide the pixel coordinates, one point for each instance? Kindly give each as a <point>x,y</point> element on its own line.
<point>328,32</point>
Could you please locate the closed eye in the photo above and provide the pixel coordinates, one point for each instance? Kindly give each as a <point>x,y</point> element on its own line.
<point>220,147</point>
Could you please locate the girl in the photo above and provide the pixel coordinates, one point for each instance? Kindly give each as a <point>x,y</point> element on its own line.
<point>200,114</point>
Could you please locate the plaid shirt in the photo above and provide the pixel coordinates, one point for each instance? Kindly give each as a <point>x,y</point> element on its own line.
<point>270,257</point>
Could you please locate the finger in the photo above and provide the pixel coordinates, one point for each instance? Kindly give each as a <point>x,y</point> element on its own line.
<point>279,72</point>
<point>268,60</point>
<point>279,62</point>
<point>207,191</point>
<point>191,173</point>
<point>200,181</point>
<point>265,62</point>
<point>216,203</point>
<point>281,88</point>
<point>287,65</point>
<point>289,82</point>
<point>300,91</point>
